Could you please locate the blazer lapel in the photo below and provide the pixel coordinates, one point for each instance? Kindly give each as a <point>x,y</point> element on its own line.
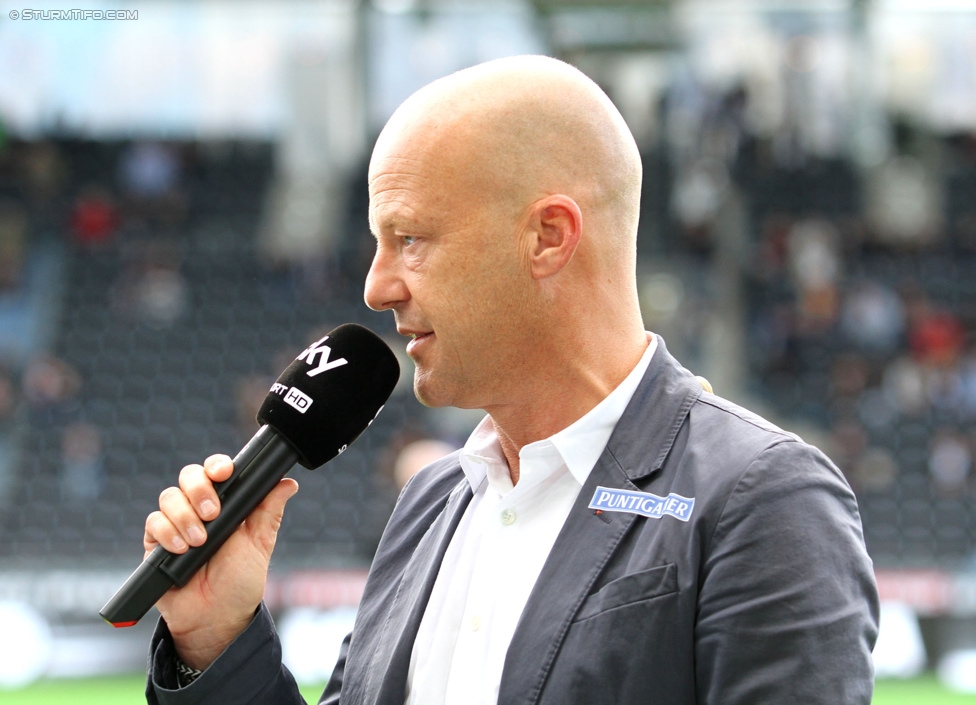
<point>391,660</point>
<point>582,549</point>
<point>638,448</point>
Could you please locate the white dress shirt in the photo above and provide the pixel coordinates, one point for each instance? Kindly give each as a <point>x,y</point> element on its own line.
<point>499,548</point>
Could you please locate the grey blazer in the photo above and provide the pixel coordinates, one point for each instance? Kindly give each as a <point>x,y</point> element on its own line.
<point>763,594</point>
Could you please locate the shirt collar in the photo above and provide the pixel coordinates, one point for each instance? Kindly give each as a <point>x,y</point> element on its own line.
<point>481,451</point>
<point>579,444</point>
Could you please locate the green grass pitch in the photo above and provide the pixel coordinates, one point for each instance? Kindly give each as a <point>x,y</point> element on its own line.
<point>127,690</point>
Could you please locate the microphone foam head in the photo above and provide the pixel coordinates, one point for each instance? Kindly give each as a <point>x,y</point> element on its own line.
<point>331,393</point>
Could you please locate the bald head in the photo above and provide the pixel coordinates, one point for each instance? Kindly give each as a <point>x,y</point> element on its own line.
<point>504,201</point>
<point>524,127</point>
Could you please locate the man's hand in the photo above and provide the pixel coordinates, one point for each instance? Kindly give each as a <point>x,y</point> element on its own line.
<point>218,603</point>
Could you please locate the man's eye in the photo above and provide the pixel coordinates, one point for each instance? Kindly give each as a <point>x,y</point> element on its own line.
<point>408,240</point>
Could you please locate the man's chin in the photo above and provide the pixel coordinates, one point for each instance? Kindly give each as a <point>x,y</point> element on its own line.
<point>432,392</point>
<point>425,390</point>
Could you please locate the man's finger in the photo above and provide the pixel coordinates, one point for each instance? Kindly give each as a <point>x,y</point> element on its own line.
<point>262,525</point>
<point>218,467</point>
<point>160,530</point>
<point>198,487</point>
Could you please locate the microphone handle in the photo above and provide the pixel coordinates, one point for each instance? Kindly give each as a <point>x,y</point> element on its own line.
<point>258,467</point>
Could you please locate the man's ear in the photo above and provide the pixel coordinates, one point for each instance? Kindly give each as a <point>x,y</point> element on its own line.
<point>555,229</point>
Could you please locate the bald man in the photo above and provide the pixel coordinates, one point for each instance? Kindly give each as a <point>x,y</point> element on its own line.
<point>610,533</point>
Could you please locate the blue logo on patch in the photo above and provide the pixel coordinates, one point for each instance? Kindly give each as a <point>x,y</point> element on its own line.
<point>643,503</point>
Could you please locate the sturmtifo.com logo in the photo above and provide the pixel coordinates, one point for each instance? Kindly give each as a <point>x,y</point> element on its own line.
<point>29,14</point>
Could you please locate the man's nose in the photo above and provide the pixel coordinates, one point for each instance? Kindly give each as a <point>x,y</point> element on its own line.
<point>384,286</point>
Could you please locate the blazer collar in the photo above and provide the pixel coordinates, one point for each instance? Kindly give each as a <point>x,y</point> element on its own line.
<point>641,441</point>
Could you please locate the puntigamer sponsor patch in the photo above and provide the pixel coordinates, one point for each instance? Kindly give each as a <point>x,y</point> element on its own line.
<point>643,503</point>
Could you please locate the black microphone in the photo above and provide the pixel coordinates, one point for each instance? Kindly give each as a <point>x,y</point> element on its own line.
<point>319,405</point>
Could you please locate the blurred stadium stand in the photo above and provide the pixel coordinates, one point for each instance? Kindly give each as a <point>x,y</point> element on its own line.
<point>169,332</point>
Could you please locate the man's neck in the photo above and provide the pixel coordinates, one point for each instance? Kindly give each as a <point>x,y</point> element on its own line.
<point>552,405</point>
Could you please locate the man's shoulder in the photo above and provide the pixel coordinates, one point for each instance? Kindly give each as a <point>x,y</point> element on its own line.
<point>670,415</point>
<point>740,420</point>
<point>737,440</point>
<point>728,436</point>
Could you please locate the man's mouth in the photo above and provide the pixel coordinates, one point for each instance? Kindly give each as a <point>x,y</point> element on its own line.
<point>417,340</point>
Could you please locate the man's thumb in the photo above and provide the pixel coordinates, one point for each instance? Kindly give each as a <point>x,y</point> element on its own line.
<point>264,521</point>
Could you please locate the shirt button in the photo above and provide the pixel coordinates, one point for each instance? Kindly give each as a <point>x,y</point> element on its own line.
<point>475,623</point>
<point>508,517</point>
